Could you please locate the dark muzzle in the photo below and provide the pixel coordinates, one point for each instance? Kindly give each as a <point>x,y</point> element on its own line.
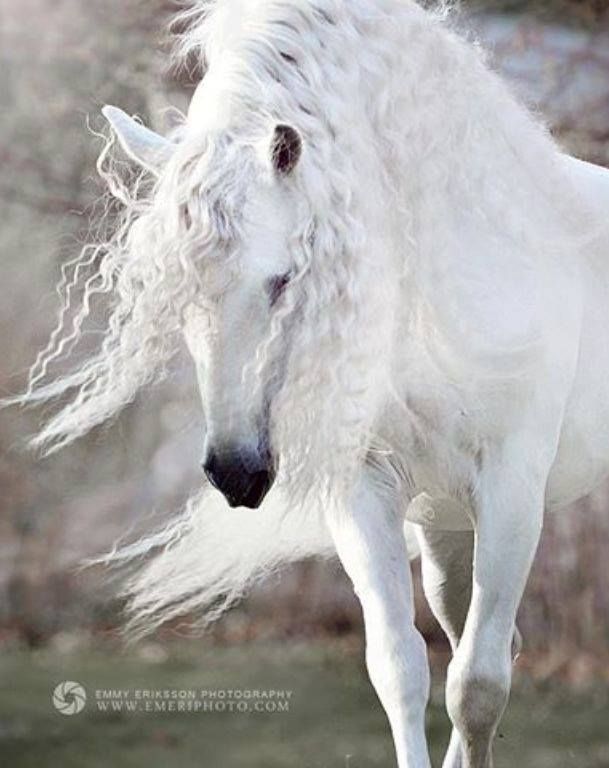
<point>243,479</point>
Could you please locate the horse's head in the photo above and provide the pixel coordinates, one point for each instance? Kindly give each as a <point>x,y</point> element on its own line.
<point>234,321</point>
<point>224,338</point>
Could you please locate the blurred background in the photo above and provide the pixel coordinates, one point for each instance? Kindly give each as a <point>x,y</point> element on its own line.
<point>60,61</point>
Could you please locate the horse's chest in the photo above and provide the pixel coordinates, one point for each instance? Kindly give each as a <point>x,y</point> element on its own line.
<point>441,476</point>
<point>439,462</point>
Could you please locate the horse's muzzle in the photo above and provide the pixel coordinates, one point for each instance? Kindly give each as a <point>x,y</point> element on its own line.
<point>243,480</point>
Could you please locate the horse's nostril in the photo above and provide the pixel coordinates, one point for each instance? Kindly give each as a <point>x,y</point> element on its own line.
<point>259,485</point>
<point>235,478</point>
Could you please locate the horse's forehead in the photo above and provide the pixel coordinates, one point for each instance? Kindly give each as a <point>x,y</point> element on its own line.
<point>267,207</point>
<point>268,224</point>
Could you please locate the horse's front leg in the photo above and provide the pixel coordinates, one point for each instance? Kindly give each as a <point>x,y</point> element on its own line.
<point>370,543</point>
<point>509,511</point>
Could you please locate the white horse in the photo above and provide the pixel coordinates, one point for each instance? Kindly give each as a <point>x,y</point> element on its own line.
<point>395,289</point>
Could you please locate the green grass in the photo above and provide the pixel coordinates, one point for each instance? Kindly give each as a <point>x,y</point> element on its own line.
<point>333,714</point>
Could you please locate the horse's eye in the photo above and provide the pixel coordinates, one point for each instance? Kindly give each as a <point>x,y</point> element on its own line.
<point>276,285</point>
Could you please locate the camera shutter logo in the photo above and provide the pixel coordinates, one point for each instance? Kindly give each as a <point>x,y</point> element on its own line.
<point>69,698</point>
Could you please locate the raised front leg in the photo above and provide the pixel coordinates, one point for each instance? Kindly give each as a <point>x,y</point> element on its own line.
<point>370,543</point>
<point>509,510</point>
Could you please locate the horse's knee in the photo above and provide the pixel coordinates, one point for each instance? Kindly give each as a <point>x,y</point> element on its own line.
<point>475,700</point>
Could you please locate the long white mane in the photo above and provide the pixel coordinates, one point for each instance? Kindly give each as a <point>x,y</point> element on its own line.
<point>420,171</point>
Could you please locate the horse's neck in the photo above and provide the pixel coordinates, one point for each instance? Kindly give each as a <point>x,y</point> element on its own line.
<point>466,159</point>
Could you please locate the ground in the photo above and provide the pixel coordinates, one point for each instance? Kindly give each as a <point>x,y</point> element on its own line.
<point>334,719</point>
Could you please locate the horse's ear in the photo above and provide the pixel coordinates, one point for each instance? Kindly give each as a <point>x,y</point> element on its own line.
<point>286,149</point>
<point>142,145</point>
